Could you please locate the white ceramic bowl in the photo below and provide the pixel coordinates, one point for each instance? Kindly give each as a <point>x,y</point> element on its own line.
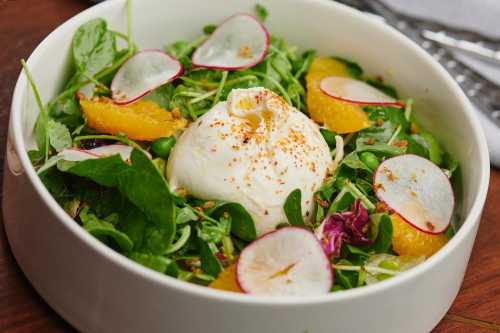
<point>98,290</point>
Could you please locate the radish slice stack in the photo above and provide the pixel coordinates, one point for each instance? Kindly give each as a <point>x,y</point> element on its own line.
<point>142,73</point>
<point>78,155</point>
<point>241,41</point>
<point>417,190</point>
<point>355,92</point>
<point>286,262</point>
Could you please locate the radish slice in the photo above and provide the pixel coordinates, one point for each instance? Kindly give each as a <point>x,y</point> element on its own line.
<point>77,155</point>
<point>355,91</point>
<point>143,72</point>
<point>286,262</point>
<point>241,41</point>
<point>416,189</point>
<point>105,151</point>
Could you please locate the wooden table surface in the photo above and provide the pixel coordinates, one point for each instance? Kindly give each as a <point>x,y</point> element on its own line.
<point>24,23</point>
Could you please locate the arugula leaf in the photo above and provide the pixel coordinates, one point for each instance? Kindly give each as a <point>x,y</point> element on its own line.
<point>104,171</point>
<point>185,215</point>
<point>99,228</point>
<point>293,208</point>
<point>242,224</point>
<point>145,187</point>
<point>59,136</point>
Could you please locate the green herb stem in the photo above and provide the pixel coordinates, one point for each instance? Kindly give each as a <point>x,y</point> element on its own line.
<point>185,234</point>
<point>359,195</point>
<point>42,109</point>
<point>221,86</point>
<point>277,84</point>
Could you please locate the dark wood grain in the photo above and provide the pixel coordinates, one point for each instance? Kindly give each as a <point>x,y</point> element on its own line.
<point>24,23</point>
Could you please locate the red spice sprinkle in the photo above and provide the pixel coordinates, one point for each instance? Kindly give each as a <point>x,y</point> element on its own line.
<point>429,225</point>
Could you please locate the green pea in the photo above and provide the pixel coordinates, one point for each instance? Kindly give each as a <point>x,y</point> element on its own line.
<point>383,276</point>
<point>389,264</point>
<point>369,159</point>
<point>161,147</point>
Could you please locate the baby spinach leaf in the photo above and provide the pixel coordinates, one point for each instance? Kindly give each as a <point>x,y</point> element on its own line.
<point>381,148</point>
<point>352,161</point>
<point>385,88</point>
<point>98,227</point>
<point>59,136</point>
<point>329,137</point>
<point>293,208</point>
<point>145,187</point>
<point>381,228</point>
<point>435,151</point>
<point>261,12</point>
<point>209,262</point>
<point>94,48</point>
<point>242,224</point>
<point>104,171</point>
<point>156,262</point>
<point>353,68</point>
<point>66,111</point>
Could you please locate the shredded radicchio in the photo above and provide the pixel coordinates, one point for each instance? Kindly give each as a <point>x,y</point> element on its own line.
<point>350,227</point>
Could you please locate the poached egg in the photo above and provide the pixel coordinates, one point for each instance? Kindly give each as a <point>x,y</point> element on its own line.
<point>253,149</point>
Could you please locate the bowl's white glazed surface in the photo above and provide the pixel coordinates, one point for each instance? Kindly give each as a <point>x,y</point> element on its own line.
<point>97,290</point>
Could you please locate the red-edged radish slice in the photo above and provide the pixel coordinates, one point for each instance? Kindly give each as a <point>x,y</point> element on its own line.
<point>416,189</point>
<point>241,41</point>
<point>143,72</point>
<point>355,91</point>
<point>77,155</point>
<point>104,151</point>
<point>286,262</point>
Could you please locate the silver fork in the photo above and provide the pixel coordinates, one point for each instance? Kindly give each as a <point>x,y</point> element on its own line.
<point>432,36</point>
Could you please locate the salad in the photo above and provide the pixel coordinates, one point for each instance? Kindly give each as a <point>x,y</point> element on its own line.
<point>236,162</point>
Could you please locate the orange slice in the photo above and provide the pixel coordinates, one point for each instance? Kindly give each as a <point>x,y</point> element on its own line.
<point>141,120</point>
<point>409,241</point>
<point>338,116</point>
<point>227,280</point>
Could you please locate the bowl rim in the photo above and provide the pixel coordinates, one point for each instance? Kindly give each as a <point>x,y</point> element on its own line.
<point>472,218</point>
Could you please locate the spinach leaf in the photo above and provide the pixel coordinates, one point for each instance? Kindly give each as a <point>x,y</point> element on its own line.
<point>385,88</point>
<point>435,151</point>
<point>94,48</point>
<point>155,262</point>
<point>293,208</point>
<point>145,187</point>
<point>209,262</point>
<point>242,223</point>
<point>329,137</point>
<point>352,161</point>
<point>99,228</point>
<point>381,232</point>
<point>59,136</point>
<point>353,68</point>
<point>261,12</point>
<point>104,171</point>
<point>66,111</point>
<point>380,148</point>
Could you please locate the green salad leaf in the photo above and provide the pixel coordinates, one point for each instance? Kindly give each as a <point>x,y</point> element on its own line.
<point>293,208</point>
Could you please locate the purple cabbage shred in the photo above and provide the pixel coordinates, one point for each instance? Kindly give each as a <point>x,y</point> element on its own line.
<point>350,227</point>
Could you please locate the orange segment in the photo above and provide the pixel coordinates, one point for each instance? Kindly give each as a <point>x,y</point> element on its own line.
<point>141,120</point>
<point>227,280</point>
<point>336,115</point>
<point>408,241</point>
